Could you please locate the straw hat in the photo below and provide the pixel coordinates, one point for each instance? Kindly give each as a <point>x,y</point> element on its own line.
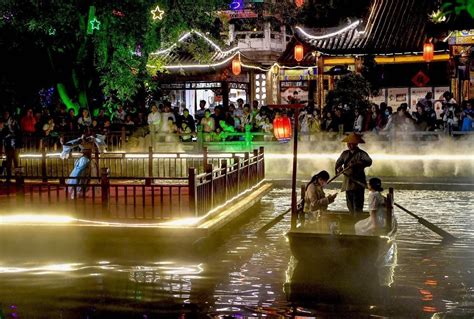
<point>353,138</point>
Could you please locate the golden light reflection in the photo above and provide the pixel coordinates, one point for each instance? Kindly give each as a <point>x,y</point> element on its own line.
<point>36,218</point>
<point>41,270</point>
<point>431,282</point>
<point>429,309</point>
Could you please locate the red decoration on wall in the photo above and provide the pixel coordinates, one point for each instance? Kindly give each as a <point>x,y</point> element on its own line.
<point>420,79</point>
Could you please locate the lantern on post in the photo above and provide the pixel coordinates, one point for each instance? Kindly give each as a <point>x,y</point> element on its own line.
<point>299,52</point>
<point>428,52</point>
<point>299,3</point>
<point>236,66</point>
<point>282,128</point>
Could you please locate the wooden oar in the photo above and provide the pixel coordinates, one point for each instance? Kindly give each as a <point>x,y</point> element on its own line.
<point>446,236</point>
<point>275,220</point>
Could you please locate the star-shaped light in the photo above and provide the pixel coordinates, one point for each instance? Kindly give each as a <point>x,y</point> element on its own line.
<point>95,24</point>
<point>157,13</point>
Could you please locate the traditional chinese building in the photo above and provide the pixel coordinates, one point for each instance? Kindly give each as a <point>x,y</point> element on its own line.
<point>196,68</point>
<point>394,33</point>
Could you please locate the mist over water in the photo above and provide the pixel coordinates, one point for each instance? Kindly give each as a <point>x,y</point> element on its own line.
<point>444,158</point>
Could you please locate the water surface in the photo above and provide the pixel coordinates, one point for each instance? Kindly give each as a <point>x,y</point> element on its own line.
<point>242,275</point>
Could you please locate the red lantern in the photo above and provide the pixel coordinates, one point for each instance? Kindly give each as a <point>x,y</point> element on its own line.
<point>299,52</point>
<point>428,52</point>
<point>236,66</point>
<point>299,3</point>
<point>282,128</point>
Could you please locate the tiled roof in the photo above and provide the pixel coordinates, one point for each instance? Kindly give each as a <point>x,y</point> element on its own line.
<point>389,27</point>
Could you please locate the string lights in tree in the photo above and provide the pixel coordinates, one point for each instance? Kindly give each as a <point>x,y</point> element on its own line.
<point>157,13</point>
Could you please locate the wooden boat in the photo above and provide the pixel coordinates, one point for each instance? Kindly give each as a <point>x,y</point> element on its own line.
<point>331,238</point>
<point>330,261</point>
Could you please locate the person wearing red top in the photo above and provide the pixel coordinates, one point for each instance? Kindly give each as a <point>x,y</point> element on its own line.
<point>28,122</point>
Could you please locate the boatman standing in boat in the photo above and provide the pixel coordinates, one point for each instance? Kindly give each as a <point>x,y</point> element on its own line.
<point>353,161</point>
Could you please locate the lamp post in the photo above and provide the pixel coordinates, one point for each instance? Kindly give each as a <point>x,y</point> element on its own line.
<point>296,108</point>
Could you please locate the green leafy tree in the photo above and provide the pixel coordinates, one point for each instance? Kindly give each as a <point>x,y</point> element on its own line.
<point>458,7</point>
<point>351,89</point>
<point>105,57</point>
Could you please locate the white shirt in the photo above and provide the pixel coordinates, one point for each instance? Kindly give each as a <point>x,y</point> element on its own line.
<point>154,118</point>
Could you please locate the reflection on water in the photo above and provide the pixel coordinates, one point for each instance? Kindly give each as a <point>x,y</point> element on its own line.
<point>244,275</point>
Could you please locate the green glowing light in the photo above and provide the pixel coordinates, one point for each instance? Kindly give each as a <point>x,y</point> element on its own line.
<point>51,31</point>
<point>65,98</point>
<point>90,29</point>
<point>95,24</point>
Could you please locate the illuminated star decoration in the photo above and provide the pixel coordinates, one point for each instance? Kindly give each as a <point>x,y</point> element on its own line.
<point>51,31</point>
<point>95,24</point>
<point>157,13</point>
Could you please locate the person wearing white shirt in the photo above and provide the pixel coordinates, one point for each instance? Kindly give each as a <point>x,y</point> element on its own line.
<point>154,121</point>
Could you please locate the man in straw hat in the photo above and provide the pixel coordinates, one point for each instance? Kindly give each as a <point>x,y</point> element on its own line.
<point>353,161</point>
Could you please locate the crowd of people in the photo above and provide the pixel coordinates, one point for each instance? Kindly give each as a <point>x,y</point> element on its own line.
<point>379,118</point>
<point>170,123</point>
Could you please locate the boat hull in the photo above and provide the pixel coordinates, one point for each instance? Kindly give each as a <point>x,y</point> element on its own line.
<point>332,266</point>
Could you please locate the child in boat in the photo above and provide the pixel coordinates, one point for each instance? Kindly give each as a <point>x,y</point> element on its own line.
<point>315,200</point>
<point>376,221</point>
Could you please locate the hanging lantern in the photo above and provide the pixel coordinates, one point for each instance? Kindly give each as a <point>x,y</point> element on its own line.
<point>299,52</point>
<point>282,128</point>
<point>236,66</point>
<point>299,3</point>
<point>428,52</point>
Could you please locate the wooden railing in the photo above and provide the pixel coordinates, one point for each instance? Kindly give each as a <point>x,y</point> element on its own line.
<point>130,165</point>
<point>143,198</point>
<point>217,186</point>
<point>115,140</point>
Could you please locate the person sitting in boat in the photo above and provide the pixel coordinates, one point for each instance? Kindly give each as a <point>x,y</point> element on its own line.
<point>315,201</point>
<point>352,163</point>
<point>376,221</point>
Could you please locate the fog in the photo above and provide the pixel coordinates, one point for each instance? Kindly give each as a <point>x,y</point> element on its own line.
<point>400,157</point>
<point>403,158</point>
